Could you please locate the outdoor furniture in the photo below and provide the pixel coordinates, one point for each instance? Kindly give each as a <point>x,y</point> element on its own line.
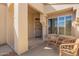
<point>69,48</point>
<point>52,39</point>
<point>68,40</point>
<point>59,41</point>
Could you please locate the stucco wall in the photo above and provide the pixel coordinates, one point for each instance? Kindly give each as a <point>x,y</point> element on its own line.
<point>3,9</point>
<point>43,21</point>
<point>77,30</point>
<point>41,9</point>
<point>21,28</point>
<point>38,6</point>
<point>10,26</point>
<point>32,14</point>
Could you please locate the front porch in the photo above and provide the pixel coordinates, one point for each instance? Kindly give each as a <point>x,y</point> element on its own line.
<point>28,27</point>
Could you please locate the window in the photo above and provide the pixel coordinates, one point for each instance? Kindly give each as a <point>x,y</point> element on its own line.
<point>60,25</point>
<point>68,25</point>
<point>52,26</point>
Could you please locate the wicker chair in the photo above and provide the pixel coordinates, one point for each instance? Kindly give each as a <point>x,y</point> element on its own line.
<point>52,40</point>
<point>59,41</point>
<point>70,48</point>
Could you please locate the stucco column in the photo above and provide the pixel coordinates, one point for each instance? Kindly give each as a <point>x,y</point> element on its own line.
<point>21,27</point>
<point>43,21</point>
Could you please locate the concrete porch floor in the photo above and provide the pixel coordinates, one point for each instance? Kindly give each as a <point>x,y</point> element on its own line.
<point>37,47</point>
<point>5,50</point>
<point>34,42</point>
<point>42,50</point>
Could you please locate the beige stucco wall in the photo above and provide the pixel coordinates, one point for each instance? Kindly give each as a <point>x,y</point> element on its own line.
<point>21,28</point>
<point>41,9</point>
<point>77,30</point>
<point>3,12</point>
<point>32,14</point>
<point>38,6</point>
<point>10,25</point>
<point>43,20</point>
<point>17,25</point>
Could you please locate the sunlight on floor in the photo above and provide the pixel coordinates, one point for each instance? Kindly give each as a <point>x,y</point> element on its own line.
<point>47,48</point>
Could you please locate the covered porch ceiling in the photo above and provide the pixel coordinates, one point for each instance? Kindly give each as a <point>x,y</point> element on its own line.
<point>62,11</point>
<point>60,7</point>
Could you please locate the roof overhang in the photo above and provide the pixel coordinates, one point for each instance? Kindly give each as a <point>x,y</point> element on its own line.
<point>63,11</point>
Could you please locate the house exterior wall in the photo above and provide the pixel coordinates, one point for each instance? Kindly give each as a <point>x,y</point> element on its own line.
<point>17,25</point>
<point>63,6</point>
<point>21,28</point>
<point>22,42</point>
<point>38,6</point>
<point>41,8</point>
<point>3,12</point>
<point>43,20</point>
<point>10,25</point>
<point>32,14</point>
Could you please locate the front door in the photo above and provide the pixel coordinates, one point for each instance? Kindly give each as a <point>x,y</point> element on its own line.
<point>38,28</point>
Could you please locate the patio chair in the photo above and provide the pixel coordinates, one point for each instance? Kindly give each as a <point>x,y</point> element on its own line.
<point>59,41</point>
<point>52,40</point>
<point>69,49</point>
<point>68,40</point>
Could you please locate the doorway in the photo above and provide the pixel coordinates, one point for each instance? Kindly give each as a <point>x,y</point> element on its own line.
<point>34,28</point>
<point>38,28</point>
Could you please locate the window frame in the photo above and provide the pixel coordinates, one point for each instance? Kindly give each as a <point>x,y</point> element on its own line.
<point>64,23</point>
